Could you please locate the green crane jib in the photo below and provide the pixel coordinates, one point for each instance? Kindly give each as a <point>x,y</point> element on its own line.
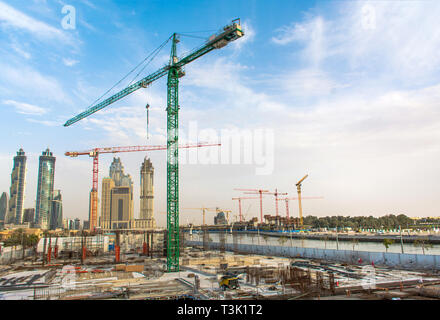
<point>174,70</point>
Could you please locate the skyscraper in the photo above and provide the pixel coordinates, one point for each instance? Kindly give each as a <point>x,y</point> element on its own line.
<point>107,185</point>
<point>117,198</point>
<point>46,175</point>
<point>121,214</point>
<point>147,194</point>
<point>77,224</point>
<point>3,206</point>
<point>29,215</point>
<point>56,218</point>
<point>93,219</point>
<point>16,193</point>
<point>117,174</point>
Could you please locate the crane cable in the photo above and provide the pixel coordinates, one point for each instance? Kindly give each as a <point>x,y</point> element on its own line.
<point>152,55</point>
<point>154,52</point>
<point>148,119</point>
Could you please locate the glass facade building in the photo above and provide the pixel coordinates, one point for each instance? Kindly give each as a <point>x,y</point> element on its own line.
<point>56,219</point>
<point>29,215</point>
<point>16,192</point>
<point>46,175</point>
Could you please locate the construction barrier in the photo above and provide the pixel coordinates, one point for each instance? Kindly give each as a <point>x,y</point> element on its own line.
<point>403,260</point>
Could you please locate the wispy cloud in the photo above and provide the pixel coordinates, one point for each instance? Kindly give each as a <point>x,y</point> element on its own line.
<point>15,19</point>
<point>25,108</point>
<point>249,36</point>
<point>69,62</point>
<point>46,123</point>
<point>376,37</point>
<point>16,80</point>
<point>20,51</point>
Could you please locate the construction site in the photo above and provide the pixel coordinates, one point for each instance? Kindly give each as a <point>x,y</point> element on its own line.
<point>88,268</point>
<point>120,258</point>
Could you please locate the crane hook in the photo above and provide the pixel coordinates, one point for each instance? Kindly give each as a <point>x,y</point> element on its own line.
<point>148,118</point>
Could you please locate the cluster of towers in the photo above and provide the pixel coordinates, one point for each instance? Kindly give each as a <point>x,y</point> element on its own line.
<point>117,205</point>
<point>48,211</point>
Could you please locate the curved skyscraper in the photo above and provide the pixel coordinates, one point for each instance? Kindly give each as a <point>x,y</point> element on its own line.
<point>46,176</point>
<point>16,192</point>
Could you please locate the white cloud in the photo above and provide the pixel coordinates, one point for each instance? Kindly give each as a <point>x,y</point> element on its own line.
<point>20,51</point>
<point>374,37</point>
<point>249,36</point>
<point>10,17</point>
<point>308,83</point>
<point>311,32</point>
<point>46,123</point>
<point>26,81</point>
<point>70,62</point>
<point>89,4</point>
<point>25,108</point>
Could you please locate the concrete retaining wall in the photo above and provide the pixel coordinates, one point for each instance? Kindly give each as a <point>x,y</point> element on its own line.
<point>404,260</point>
<point>11,254</point>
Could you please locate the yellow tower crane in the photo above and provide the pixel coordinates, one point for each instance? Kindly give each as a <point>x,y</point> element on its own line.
<point>298,188</point>
<point>218,210</point>
<point>204,209</point>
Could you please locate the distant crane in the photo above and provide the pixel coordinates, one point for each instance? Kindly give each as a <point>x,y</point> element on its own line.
<point>239,204</point>
<point>218,210</point>
<point>260,192</point>
<point>174,70</point>
<point>298,188</point>
<point>94,153</point>
<point>295,198</point>
<point>204,209</point>
<point>276,194</point>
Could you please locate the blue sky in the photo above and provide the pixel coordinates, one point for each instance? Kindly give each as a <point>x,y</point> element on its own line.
<point>350,89</point>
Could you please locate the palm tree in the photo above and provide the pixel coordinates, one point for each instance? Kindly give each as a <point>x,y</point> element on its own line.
<point>325,241</point>
<point>387,242</point>
<point>282,240</point>
<point>424,243</point>
<point>354,242</point>
<point>265,238</point>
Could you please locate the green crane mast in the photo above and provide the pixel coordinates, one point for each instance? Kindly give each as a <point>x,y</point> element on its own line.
<point>174,70</point>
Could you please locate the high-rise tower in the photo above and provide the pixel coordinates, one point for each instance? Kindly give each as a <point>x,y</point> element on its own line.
<point>117,174</point>
<point>107,185</point>
<point>117,198</point>
<point>4,199</point>
<point>56,219</point>
<point>16,193</point>
<point>46,175</point>
<point>147,193</point>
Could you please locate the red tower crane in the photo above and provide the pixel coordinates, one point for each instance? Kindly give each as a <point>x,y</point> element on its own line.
<point>276,194</point>
<point>260,192</point>
<point>94,153</point>
<point>295,198</point>
<point>239,204</point>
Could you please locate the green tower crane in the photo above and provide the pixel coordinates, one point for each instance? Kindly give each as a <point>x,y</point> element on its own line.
<point>175,71</point>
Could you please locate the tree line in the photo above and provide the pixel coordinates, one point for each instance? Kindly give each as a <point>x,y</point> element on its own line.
<point>360,222</point>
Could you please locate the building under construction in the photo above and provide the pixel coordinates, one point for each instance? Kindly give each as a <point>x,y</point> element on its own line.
<point>132,265</point>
